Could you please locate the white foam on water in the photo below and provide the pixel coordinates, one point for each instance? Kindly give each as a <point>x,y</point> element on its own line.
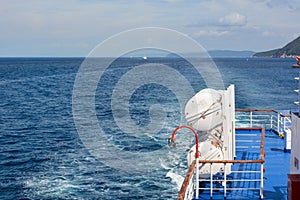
<point>175,178</point>
<point>51,187</point>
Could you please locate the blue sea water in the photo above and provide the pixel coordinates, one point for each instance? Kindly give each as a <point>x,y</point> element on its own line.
<point>43,156</point>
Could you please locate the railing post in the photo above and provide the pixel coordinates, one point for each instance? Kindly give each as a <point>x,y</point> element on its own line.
<point>211,181</point>
<point>271,122</point>
<point>261,180</point>
<point>251,119</point>
<point>197,178</point>
<point>278,123</point>
<point>284,122</point>
<point>225,184</point>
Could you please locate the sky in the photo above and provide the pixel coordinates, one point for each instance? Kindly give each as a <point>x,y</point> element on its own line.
<point>75,27</point>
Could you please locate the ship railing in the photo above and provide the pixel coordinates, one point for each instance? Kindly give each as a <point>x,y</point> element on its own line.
<point>226,182</point>
<point>268,119</point>
<point>187,191</point>
<point>236,183</point>
<point>188,187</point>
<point>281,123</point>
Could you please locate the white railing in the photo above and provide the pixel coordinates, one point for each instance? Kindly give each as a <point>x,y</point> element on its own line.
<point>247,119</point>
<point>268,119</point>
<point>281,123</point>
<point>239,178</point>
<point>227,184</point>
<point>223,182</point>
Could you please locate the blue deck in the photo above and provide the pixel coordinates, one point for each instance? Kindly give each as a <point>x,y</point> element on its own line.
<point>277,165</point>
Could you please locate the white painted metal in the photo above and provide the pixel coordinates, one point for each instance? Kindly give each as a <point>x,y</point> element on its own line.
<point>232,108</point>
<point>295,152</point>
<point>219,139</point>
<point>288,139</point>
<point>277,122</point>
<point>243,180</point>
<point>211,181</point>
<point>197,178</point>
<point>213,114</point>
<point>207,152</point>
<point>225,183</point>
<point>203,111</point>
<point>228,111</point>
<point>261,180</point>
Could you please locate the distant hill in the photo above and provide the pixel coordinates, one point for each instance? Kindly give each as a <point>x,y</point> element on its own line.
<point>230,53</point>
<point>290,50</point>
<point>220,54</point>
<point>213,53</point>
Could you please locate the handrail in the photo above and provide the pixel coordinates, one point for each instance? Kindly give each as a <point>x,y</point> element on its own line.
<point>191,172</point>
<point>187,180</point>
<point>263,110</point>
<point>231,161</point>
<point>261,160</point>
<point>255,110</point>
<point>262,144</point>
<point>277,121</point>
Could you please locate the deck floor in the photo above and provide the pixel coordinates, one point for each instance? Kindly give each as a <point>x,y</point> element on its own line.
<point>277,165</point>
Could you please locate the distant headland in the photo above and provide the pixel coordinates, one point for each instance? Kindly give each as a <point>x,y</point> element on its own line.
<point>290,50</point>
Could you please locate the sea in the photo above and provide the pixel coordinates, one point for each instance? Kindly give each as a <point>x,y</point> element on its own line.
<point>102,133</point>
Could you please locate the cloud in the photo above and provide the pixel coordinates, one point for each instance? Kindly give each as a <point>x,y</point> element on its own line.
<point>211,33</point>
<point>233,19</point>
<point>267,33</point>
<point>37,25</point>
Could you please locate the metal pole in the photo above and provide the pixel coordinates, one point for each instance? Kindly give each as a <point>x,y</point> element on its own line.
<point>284,122</point>
<point>225,185</point>
<point>278,123</point>
<point>261,180</point>
<point>197,178</point>
<point>251,119</point>
<point>271,122</point>
<point>211,181</point>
